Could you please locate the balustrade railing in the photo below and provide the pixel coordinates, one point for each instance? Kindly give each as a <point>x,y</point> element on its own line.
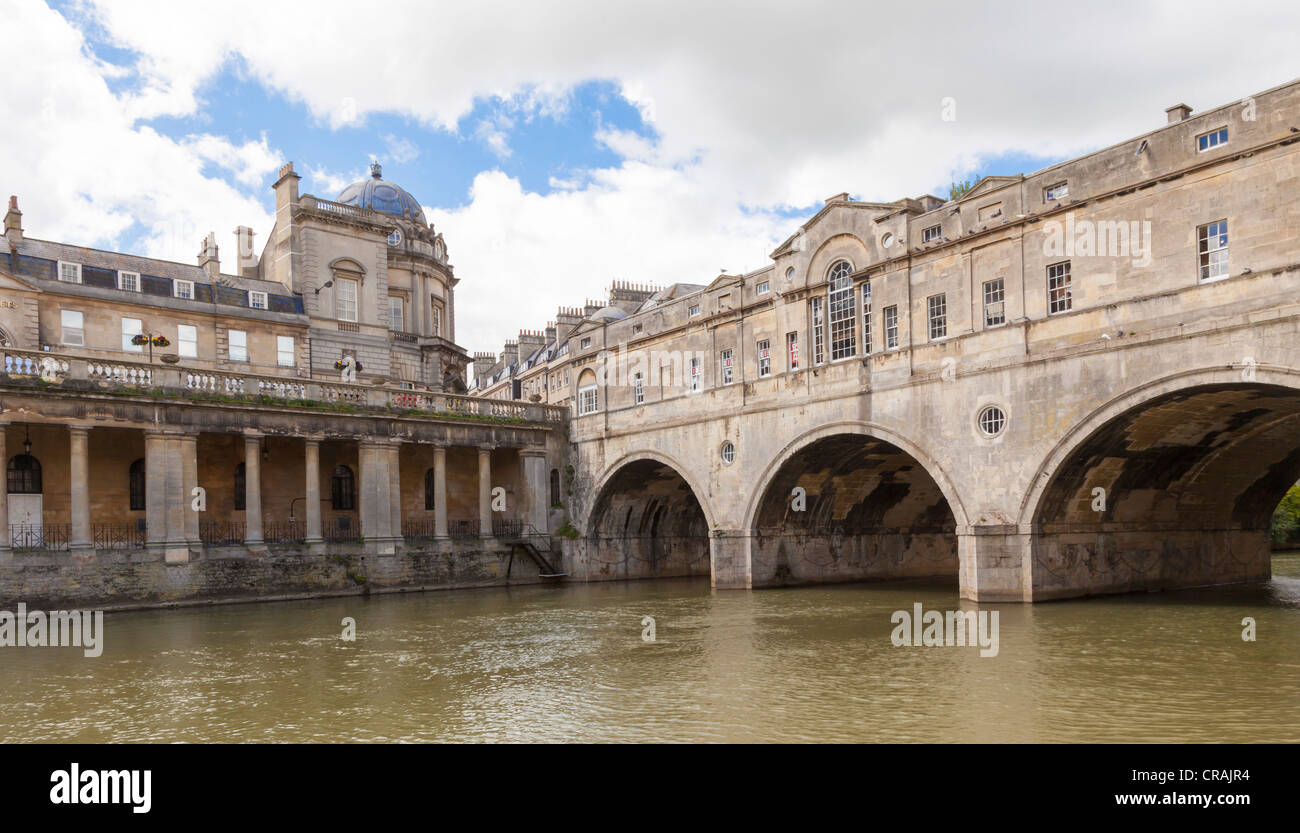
<point>58,367</point>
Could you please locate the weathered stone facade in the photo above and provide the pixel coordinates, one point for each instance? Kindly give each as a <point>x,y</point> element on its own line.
<point>1077,381</point>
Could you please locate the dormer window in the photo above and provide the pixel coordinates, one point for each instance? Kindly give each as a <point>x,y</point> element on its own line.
<point>257,300</point>
<point>183,289</point>
<point>69,272</point>
<point>129,281</point>
<point>1208,141</point>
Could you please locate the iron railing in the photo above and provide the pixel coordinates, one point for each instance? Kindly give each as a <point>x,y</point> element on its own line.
<point>222,533</point>
<point>345,530</point>
<point>278,532</point>
<point>39,536</point>
<point>119,536</point>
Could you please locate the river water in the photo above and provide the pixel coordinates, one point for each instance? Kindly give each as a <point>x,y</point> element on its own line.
<point>571,663</point>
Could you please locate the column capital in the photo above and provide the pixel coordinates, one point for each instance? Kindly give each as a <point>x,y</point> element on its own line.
<point>532,451</point>
<point>79,429</point>
<point>486,448</point>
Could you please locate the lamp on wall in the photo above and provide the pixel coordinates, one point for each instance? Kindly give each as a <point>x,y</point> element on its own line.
<point>27,439</point>
<point>325,285</point>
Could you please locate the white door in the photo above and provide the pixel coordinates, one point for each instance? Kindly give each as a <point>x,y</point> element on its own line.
<point>25,513</point>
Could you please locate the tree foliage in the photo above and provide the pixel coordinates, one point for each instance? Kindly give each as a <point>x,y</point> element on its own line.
<point>1286,519</point>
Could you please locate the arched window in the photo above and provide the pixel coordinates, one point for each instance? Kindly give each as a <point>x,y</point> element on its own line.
<point>555,487</point>
<point>24,475</point>
<point>429,490</point>
<point>342,489</point>
<point>588,400</point>
<point>841,305</point>
<point>135,484</point>
<point>241,487</point>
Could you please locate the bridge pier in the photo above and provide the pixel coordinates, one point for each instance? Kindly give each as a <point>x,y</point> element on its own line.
<point>729,559</point>
<point>995,564</point>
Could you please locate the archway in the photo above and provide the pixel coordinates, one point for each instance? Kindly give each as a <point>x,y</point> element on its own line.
<point>1173,486</point>
<point>646,522</point>
<point>847,504</point>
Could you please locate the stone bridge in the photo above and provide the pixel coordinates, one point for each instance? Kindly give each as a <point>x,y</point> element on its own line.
<point>1139,462</point>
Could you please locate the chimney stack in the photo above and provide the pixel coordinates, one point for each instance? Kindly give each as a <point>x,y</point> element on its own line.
<point>208,259</point>
<point>566,318</point>
<point>13,223</point>
<point>286,189</point>
<point>1179,112</point>
<point>483,363</point>
<point>529,342</point>
<point>245,256</point>
<point>510,353</point>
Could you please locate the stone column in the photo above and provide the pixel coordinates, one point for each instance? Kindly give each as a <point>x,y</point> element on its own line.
<point>535,499</point>
<point>393,452</point>
<point>79,486</point>
<point>439,492</point>
<point>312,509</point>
<point>189,448</point>
<point>155,489</point>
<point>253,490</point>
<point>376,512</point>
<point>485,491</point>
<point>6,542</point>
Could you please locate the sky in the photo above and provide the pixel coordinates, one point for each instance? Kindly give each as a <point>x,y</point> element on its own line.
<point>560,146</point>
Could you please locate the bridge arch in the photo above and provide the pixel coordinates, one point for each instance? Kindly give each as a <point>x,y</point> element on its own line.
<point>648,518</point>
<point>874,506</point>
<point>1170,484</point>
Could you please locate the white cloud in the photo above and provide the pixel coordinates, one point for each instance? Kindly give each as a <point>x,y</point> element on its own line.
<point>85,173</point>
<point>400,150</point>
<point>761,105</point>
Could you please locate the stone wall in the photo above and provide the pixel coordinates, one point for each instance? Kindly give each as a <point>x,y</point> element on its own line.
<point>140,578</point>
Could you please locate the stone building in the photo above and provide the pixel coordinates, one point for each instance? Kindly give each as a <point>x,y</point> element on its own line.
<point>1079,380</point>
<point>311,391</point>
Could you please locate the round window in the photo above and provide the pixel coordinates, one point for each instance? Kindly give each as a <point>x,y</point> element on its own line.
<point>395,237</point>
<point>887,240</point>
<point>789,274</point>
<point>992,420</point>
<point>728,453</point>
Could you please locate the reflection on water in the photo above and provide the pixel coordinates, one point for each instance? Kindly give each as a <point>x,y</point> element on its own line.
<point>569,663</point>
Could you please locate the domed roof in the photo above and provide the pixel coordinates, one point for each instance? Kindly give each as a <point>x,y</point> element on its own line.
<point>378,195</point>
<point>608,314</point>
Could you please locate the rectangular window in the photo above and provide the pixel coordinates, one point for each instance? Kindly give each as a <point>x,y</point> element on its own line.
<point>73,331</point>
<point>890,316</point>
<point>866,318</point>
<point>584,344</point>
<point>938,309</point>
<point>257,300</point>
<point>1059,191</point>
<point>994,303</point>
<point>187,340</point>
<point>284,351</point>
<point>238,341</point>
<point>345,295</point>
<point>931,233</point>
<point>587,403</point>
<point>694,310</point>
<point>1212,248</point>
<point>792,350</point>
<point>1059,298</point>
<point>183,289</point>
<point>437,320</point>
<point>130,281</point>
<point>638,390</point>
<point>396,314</point>
<point>69,272</point>
<point>728,368</point>
<point>842,302</point>
<point>724,302</point>
<point>1213,139</point>
<point>695,381</point>
<point>818,332</point>
<point>130,329</point>
<point>764,358</point>
<point>764,287</point>
<point>636,329</point>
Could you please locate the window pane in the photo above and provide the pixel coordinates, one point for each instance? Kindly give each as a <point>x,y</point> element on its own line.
<point>130,329</point>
